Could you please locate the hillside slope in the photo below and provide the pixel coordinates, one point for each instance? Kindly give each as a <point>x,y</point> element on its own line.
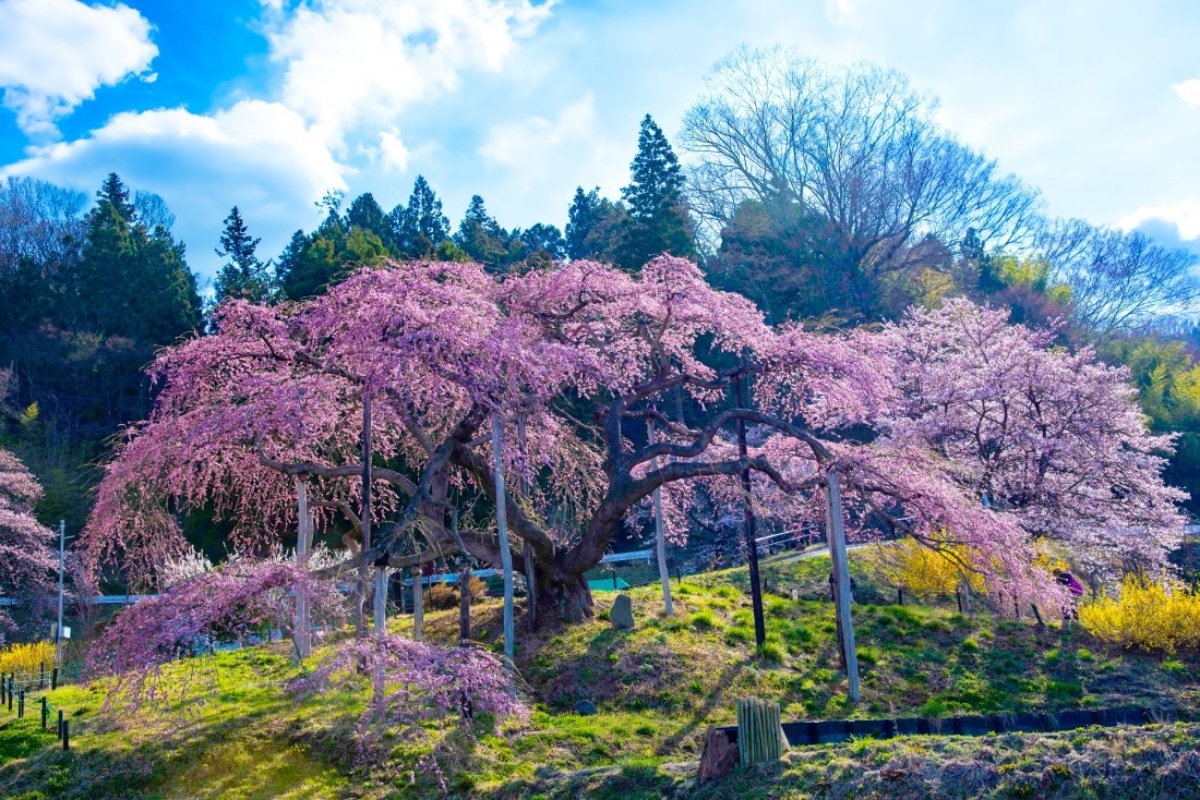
<point>657,688</point>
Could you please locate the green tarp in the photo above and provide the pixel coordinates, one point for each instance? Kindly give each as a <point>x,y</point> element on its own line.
<point>606,585</point>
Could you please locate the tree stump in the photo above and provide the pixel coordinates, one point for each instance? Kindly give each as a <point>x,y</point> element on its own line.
<point>719,758</point>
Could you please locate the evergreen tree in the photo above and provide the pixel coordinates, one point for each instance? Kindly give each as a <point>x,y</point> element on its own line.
<point>114,193</point>
<point>130,282</point>
<point>660,222</point>
<point>482,238</point>
<point>542,238</point>
<point>243,276</point>
<point>584,218</point>
<point>422,225</point>
<point>367,214</point>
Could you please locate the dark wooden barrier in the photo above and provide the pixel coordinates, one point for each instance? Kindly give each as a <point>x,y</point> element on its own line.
<point>843,730</point>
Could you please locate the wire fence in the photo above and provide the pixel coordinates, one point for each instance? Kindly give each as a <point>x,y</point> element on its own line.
<point>23,693</point>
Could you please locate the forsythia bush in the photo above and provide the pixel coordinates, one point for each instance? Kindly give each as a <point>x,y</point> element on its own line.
<point>27,657</point>
<point>1150,616</point>
<point>924,571</point>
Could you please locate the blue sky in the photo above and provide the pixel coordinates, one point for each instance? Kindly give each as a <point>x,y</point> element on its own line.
<point>267,104</point>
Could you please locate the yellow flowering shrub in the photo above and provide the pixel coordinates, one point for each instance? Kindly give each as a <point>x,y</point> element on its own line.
<point>1149,616</point>
<point>27,657</point>
<point>922,570</point>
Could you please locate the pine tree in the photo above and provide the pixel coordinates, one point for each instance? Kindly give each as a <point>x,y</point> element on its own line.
<point>131,282</point>
<point>243,276</point>
<point>114,193</point>
<point>422,225</point>
<point>367,214</point>
<point>583,217</point>
<point>482,238</point>
<point>660,222</point>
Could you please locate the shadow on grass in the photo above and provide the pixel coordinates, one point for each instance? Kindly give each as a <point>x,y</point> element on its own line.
<point>715,698</point>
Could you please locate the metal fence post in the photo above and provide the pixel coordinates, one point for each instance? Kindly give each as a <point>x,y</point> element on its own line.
<point>66,736</point>
<point>54,679</point>
<point>21,705</point>
<point>45,712</point>
<point>59,729</point>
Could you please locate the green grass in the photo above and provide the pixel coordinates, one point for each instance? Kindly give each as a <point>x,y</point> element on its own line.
<point>657,687</point>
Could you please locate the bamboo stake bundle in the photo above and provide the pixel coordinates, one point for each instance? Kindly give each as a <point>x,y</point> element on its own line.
<point>760,731</point>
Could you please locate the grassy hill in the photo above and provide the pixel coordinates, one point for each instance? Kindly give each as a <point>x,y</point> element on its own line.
<point>657,688</point>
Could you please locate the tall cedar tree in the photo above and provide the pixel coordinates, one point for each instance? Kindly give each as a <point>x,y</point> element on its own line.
<point>132,282</point>
<point>244,275</point>
<point>366,213</point>
<point>421,226</point>
<point>598,229</point>
<point>659,220</point>
<point>481,237</point>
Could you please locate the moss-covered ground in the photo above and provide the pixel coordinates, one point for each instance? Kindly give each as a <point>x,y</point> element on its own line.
<point>657,688</point>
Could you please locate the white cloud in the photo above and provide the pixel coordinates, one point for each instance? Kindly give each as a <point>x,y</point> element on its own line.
<point>543,160</point>
<point>1184,216</point>
<point>1188,91</point>
<point>257,155</point>
<point>393,153</point>
<point>355,65</point>
<point>54,54</point>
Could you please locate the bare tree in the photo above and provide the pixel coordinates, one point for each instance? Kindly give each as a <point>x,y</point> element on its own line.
<point>855,147</point>
<point>152,211</point>
<point>39,221</point>
<point>1119,281</point>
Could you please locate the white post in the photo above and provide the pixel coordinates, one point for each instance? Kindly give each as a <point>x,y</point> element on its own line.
<point>418,606</point>
<point>502,532</point>
<point>381,594</point>
<point>303,632</point>
<point>660,538</point>
<point>58,632</point>
<point>841,575</point>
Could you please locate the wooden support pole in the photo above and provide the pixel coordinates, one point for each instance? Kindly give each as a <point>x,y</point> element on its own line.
<point>302,635</point>
<point>364,571</point>
<point>502,533</point>
<point>418,605</point>
<point>381,596</point>
<point>527,548</point>
<point>841,575</point>
<point>756,601</point>
<point>660,538</point>
<point>464,602</point>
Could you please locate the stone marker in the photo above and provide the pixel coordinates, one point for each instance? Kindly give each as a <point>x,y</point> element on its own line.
<point>719,758</point>
<point>585,708</point>
<point>622,613</point>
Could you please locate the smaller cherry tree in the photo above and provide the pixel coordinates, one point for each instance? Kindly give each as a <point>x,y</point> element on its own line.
<point>27,557</point>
